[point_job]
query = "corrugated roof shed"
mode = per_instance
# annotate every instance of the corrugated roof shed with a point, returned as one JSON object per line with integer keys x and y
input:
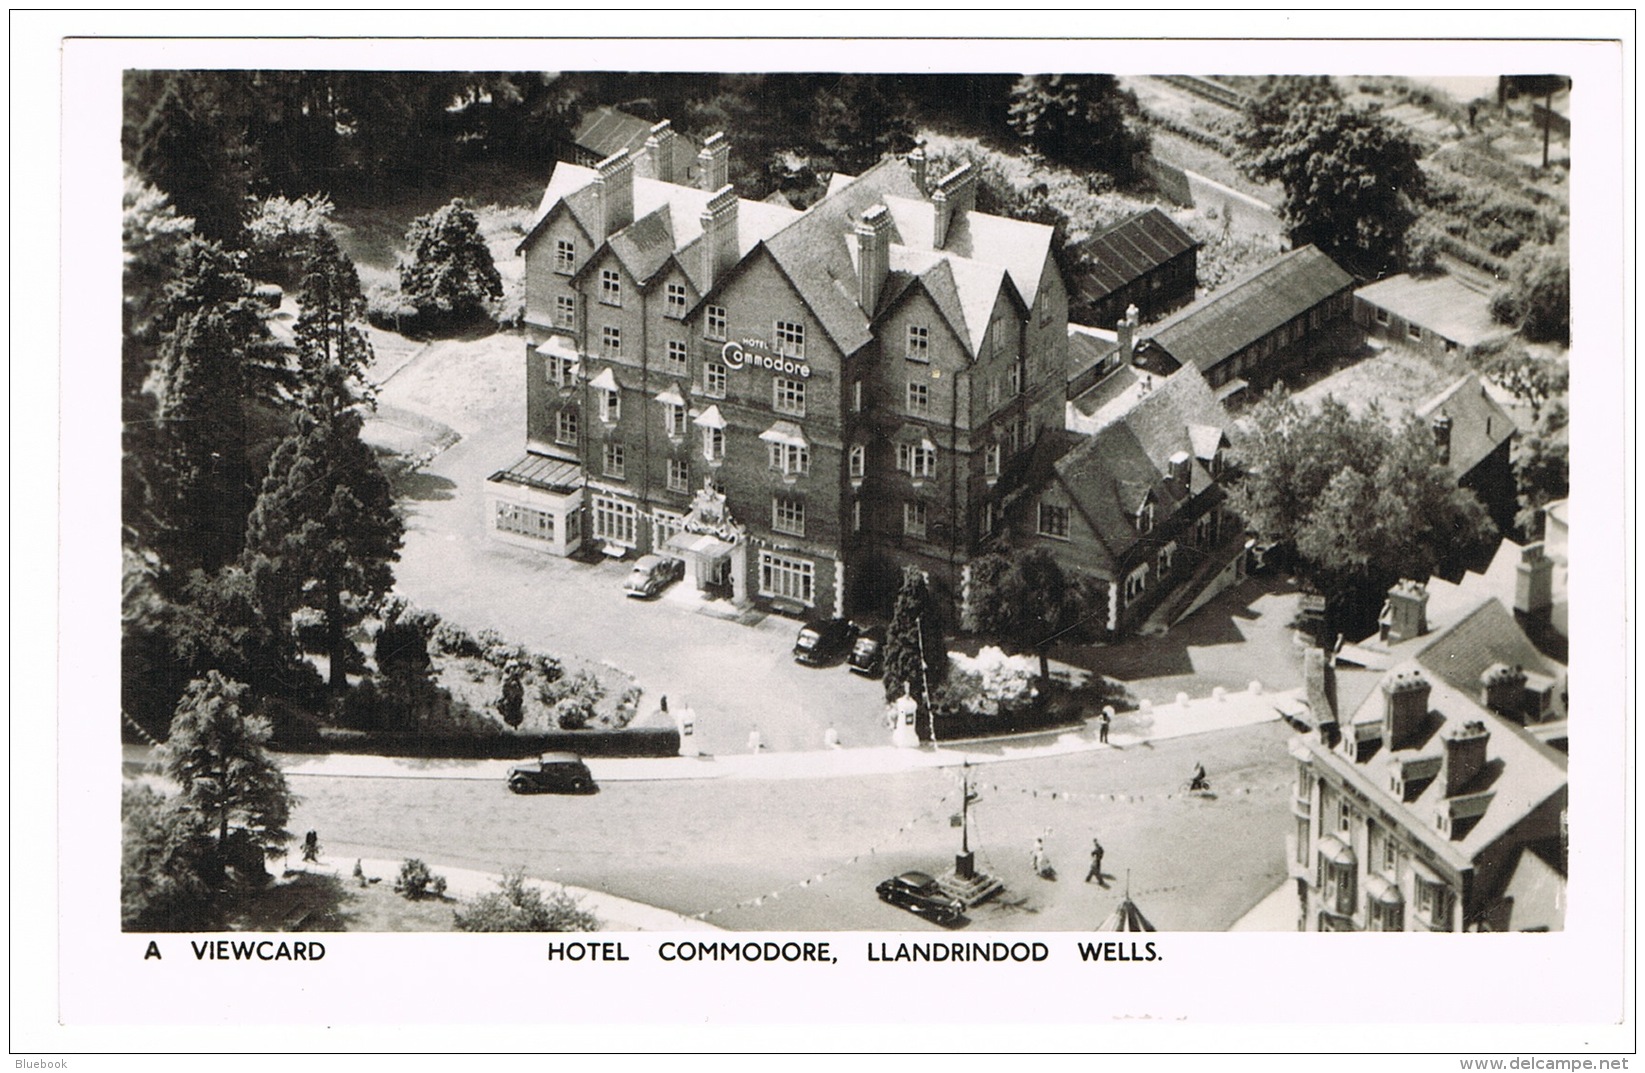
{"x": 1222, "y": 324}
{"x": 1126, "y": 252}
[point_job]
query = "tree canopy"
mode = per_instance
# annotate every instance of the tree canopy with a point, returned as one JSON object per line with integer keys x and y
{"x": 1537, "y": 299}
{"x": 1083, "y": 120}
{"x": 915, "y": 654}
{"x": 1028, "y": 601}
{"x": 1350, "y": 180}
{"x": 447, "y": 273}
{"x": 216, "y": 755}
{"x": 1364, "y": 501}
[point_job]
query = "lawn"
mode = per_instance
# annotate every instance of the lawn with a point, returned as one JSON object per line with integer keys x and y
{"x": 317, "y": 901}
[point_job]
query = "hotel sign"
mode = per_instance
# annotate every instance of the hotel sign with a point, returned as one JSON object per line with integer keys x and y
{"x": 757, "y": 353}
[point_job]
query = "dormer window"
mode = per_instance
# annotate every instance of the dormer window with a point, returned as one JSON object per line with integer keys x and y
{"x": 1145, "y": 517}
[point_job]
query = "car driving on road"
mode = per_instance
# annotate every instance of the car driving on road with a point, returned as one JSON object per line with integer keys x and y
{"x": 919, "y": 894}
{"x": 553, "y": 773}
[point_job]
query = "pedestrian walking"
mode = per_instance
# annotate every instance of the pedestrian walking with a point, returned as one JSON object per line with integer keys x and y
{"x": 1107, "y": 718}
{"x": 1040, "y": 862}
{"x": 311, "y": 846}
{"x": 1096, "y": 864}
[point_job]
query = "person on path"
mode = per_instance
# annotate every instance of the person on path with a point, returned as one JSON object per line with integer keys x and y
{"x": 1096, "y": 864}
{"x": 1040, "y": 862}
{"x": 1107, "y": 718}
{"x": 311, "y": 847}
{"x": 1198, "y": 781}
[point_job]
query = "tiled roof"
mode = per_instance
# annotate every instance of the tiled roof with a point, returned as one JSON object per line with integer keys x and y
{"x": 606, "y": 130}
{"x": 1222, "y": 324}
{"x": 1442, "y": 305}
{"x": 1478, "y": 425}
{"x": 1127, "y": 455}
{"x": 1487, "y": 635}
{"x": 645, "y": 245}
{"x": 1126, "y": 252}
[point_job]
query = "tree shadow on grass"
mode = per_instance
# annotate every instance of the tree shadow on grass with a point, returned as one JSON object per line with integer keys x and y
{"x": 422, "y": 486}
{"x": 301, "y": 901}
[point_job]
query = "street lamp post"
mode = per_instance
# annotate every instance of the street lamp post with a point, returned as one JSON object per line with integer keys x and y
{"x": 965, "y": 862}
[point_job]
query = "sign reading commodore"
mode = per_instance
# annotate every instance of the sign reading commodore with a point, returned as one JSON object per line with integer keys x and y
{"x": 756, "y": 353}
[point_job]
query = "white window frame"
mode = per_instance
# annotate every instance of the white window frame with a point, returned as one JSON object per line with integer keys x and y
{"x": 679, "y": 475}
{"x": 678, "y": 357}
{"x": 611, "y": 287}
{"x": 1058, "y": 532}
{"x": 714, "y": 323}
{"x": 714, "y": 379}
{"x": 561, "y": 372}
{"x": 919, "y": 398}
{"x": 918, "y": 460}
{"x": 788, "y": 396}
{"x": 616, "y": 521}
{"x": 857, "y": 461}
{"x": 914, "y": 518}
{"x": 611, "y": 341}
{"x": 1136, "y": 583}
{"x": 919, "y": 343}
{"x": 856, "y": 396}
{"x": 787, "y": 578}
{"x": 713, "y": 444}
{"x": 790, "y": 458}
{"x": 674, "y": 418}
{"x": 611, "y": 406}
{"x": 790, "y": 338}
{"x": 788, "y": 515}
{"x": 675, "y": 300}
{"x": 614, "y": 461}
{"x": 568, "y": 426}
{"x": 523, "y": 521}
{"x": 565, "y": 257}
{"x": 565, "y": 311}
{"x": 991, "y": 460}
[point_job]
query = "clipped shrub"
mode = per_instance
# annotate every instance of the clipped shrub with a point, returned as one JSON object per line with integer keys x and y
{"x": 518, "y": 906}
{"x": 451, "y": 639}
{"x": 548, "y": 668}
{"x": 416, "y": 881}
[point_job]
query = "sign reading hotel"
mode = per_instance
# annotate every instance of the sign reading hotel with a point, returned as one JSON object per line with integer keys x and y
{"x": 757, "y": 353}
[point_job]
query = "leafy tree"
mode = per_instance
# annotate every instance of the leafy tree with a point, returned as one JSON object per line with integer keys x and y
{"x": 447, "y": 274}
{"x": 1542, "y": 463}
{"x": 915, "y": 653}
{"x": 1028, "y": 601}
{"x": 325, "y": 521}
{"x": 1364, "y": 502}
{"x": 186, "y": 146}
{"x": 1537, "y": 300}
{"x": 404, "y": 668}
{"x": 1532, "y": 380}
{"x": 281, "y": 231}
{"x": 858, "y": 119}
{"x": 216, "y": 754}
{"x": 1350, "y": 179}
{"x": 169, "y": 868}
{"x": 1272, "y": 103}
{"x": 1082, "y": 120}
{"x": 518, "y": 906}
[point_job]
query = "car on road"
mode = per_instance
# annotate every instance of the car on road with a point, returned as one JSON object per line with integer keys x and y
{"x": 919, "y": 894}
{"x": 868, "y": 652}
{"x": 823, "y": 642}
{"x": 652, "y": 574}
{"x": 553, "y": 773}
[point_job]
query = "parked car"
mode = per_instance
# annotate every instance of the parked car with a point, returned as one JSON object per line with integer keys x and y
{"x": 823, "y": 641}
{"x": 652, "y": 574}
{"x": 553, "y": 773}
{"x": 868, "y": 652}
{"x": 919, "y": 894}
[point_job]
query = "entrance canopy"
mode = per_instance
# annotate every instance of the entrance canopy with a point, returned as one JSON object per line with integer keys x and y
{"x": 704, "y": 547}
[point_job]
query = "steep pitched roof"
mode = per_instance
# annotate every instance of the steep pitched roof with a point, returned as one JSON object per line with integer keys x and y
{"x": 1478, "y": 425}
{"x": 1221, "y": 324}
{"x": 1126, "y": 252}
{"x": 606, "y": 130}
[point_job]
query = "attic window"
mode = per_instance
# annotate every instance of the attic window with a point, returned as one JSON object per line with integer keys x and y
{"x": 919, "y": 343}
{"x": 611, "y": 287}
{"x": 565, "y": 257}
{"x": 1053, "y": 521}
{"x": 676, "y": 299}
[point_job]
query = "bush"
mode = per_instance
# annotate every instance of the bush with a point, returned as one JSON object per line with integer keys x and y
{"x": 387, "y": 308}
{"x": 627, "y": 706}
{"x": 574, "y": 712}
{"x": 1537, "y": 300}
{"x": 452, "y": 640}
{"x": 416, "y": 881}
{"x": 989, "y": 683}
{"x": 515, "y": 906}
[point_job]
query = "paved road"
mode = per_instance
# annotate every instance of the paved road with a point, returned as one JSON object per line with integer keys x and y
{"x": 713, "y": 847}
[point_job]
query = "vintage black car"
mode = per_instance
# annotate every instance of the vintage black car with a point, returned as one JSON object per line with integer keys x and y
{"x": 919, "y": 894}
{"x": 652, "y": 574}
{"x": 823, "y": 642}
{"x": 553, "y": 773}
{"x": 868, "y": 652}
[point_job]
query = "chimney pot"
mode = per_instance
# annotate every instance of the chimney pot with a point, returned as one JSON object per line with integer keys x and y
{"x": 1405, "y": 707}
{"x": 1405, "y": 614}
{"x": 1464, "y": 756}
{"x": 659, "y": 151}
{"x": 1502, "y": 690}
{"x": 917, "y": 164}
{"x": 873, "y": 256}
{"x": 719, "y": 240}
{"x": 714, "y": 162}
{"x": 1534, "y": 582}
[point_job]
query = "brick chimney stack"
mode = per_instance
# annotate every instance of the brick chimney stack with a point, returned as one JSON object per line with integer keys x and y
{"x": 1405, "y": 707}
{"x": 1464, "y": 756}
{"x": 1534, "y": 585}
{"x": 719, "y": 241}
{"x": 916, "y": 164}
{"x": 955, "y": 195}
{"x": 1126, "y": 331}
{"x": 873, "y": 256}
{"x": 659, "y": 151}
{"x": 614, "y": 187}
{"x": 714, "y": 162}
{"x": 1502, "y": 690}
{"x": 1405, "y": 615}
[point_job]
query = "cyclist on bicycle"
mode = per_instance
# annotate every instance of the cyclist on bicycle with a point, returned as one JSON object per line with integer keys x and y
{"x": 1198, "y": 782}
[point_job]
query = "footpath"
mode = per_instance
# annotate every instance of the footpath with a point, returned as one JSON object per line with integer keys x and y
{"x": 1184, "y": 717}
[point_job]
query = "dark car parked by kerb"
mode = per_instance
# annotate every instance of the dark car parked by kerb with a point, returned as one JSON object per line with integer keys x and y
{"x": 919, "y": 894}
{"x": 553, "y": 773}
{"x": 868, "y": 652}
{"x": 823, "y": 642}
